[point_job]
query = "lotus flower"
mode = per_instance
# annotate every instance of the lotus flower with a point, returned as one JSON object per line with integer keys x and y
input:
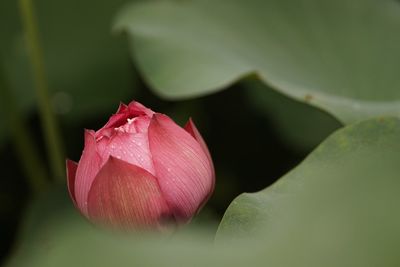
{"x": 141, "y": 170}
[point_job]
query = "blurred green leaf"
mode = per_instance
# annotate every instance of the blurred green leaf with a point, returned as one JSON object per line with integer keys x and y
{"x": 88, "y": 68}
{"x": 54, "y": 234}
{"x": 341, "y": 55}
{"x": 337, "y": 208}
{"x": 302, "y": 127}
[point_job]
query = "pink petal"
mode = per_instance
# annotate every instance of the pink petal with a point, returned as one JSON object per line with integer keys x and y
{"x": 130, "y": 147}
{"x": 137, "y": 109}
{"x": 122, "y": 108}
{"x": 88, "y": 166}
{"x": 71, "y": 173}
{"x": 141, "y": 124}
{"x": 192, "y": 130}
{"x": 127, "y": 196}
{"x": 183, "y": 169}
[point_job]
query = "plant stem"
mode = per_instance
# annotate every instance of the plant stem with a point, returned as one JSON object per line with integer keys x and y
{"x": 25, "y": 148}
{"x": 49, "y": 125}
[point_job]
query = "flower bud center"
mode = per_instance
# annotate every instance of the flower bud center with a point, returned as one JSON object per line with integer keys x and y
{"x": 128, "y": 127}
{"x": 137, "y": 124}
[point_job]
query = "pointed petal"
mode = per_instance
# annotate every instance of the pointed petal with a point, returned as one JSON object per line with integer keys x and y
{"x": 71, "y": 173}
{"x": 192, "y": 130}
{"x": 183, "y": 169}
{"x": 137, "y": 109}
{"x": 122, "y": 108}
{"x": 88, "y": 166}
{"x": 127, "y": 196}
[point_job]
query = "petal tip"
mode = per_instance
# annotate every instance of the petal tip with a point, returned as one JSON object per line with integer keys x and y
{"x": 89, "y": 132}
{"x": 160, "y": 119}
{"x": 189, "y": 127}
{"x": 122, "y": 107}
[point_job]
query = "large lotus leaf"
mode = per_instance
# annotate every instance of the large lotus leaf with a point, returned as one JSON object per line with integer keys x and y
{"x": 340, "y": 55}
{"x": 300, "y": 126}
{"x": 87, "y": 67}
{"x": 340, "y": 207}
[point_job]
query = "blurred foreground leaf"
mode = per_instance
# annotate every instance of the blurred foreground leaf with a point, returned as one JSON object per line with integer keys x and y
{"x": 337, "y": 208}
{"x": 341, "y": 55}
{"x": 54, "y": 234}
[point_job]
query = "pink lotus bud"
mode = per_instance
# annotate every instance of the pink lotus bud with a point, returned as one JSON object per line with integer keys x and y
{"x": 141, "y": 170}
